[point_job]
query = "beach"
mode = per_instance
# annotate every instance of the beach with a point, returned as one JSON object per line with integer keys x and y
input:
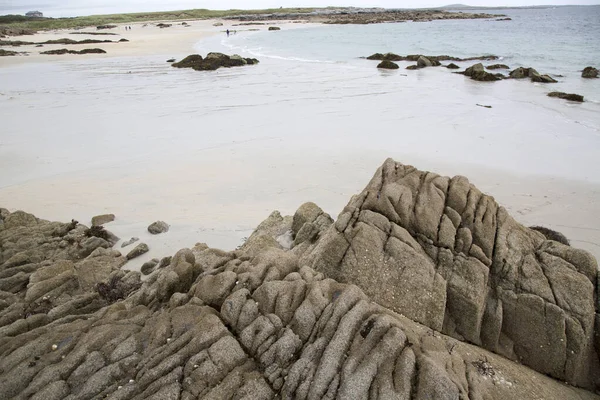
{"x": 214, "y": 153}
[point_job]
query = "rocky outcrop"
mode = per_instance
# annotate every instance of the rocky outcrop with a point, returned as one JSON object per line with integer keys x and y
{"x": 67, "y": 51}
{"x": 433, "y": 59}
{"x": 497, "y": 66}
{"x": 442, "y": 253}
{"x": 478, "y": 73}
{"x": 567, "y": 96}
{"x": 13, "y": 31}
{"x": 385, "y": 64}
{"x": 4, "y": 53}
{"x": 254, "y": 323}
{"x": 522, "y": 73}
{"x": 589, "y": 72}
{"x": 213, "y": 61}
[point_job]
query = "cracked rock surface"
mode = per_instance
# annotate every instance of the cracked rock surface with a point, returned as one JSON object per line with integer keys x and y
{"x": 360, "y": 308}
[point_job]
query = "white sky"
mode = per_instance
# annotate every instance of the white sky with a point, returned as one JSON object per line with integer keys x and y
{"x": 57, "y": 8}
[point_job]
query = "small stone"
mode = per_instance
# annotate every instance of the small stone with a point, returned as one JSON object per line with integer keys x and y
{"x": 138, "y": 251}
{"x": 54, "y": 347}
{"x": 158, "y": 227}
{"x": 129, "y": 242}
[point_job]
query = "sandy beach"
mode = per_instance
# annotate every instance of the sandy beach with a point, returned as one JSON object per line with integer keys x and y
{"x": 142, "y": 164}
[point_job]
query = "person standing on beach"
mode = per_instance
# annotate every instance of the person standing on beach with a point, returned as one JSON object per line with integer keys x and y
{"x": 227, "y": 32}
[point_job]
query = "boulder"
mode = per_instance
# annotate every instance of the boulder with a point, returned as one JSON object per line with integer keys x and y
{"x": 442, "y": 253}
{"x": 423, "y": 62}
{"x": 102, "y": 219}
{"x": 123, "y": 40}
{"x": 452, "y": 66}
{"x": 158, "y": 227}
{"x": 274, "y": 28}
{"x": 385, "y": 64}
{"x": 171, "y": 60}
{"x": 137, "y": 251}
{"x": 99, "y": 27}
{"x": 163, "y": 25}
{"x": 567, "y": 96}
{"x": 522, "y": 73}
{"x": 589, "y": 72}
{"x": 477, "y": 72}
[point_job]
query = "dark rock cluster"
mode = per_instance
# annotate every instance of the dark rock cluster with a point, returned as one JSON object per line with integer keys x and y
{"x": 213, "y": 61}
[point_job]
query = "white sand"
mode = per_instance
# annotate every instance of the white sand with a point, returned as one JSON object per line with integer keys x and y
{"x": 214, "y": 154}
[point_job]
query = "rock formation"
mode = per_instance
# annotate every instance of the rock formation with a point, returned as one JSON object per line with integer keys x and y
{"x": 274, "y": 28}
{"x": 415, "y": 57}
{"x": 213, "y": 61}
{"x": 386, "y": 64}
{"x": 478, "y": 73}
{"x": 567, "y": 96}
{"x": 497, "y": 66}
{"x": 522, "y": 73}
{"x": 589, "y": 72}
{"x": 270, "y": 320}
{"x": 67, "y": 51}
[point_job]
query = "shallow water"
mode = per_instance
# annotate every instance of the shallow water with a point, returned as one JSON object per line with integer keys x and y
{"x": 213, "y": 153}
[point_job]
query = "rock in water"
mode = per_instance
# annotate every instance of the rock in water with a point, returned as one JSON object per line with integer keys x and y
{"x": 567, "y": 96}
{"x": 274, "y": 28}
{"x": 102, "y": 219}
{"x": 423, "y": 62}
{"x": 213, "y": 61}
{"x": 137, "y": 251}
{"x": 477, "y": 72}
{"x": 158, "y": 227}
{"x": 521, "y": 73}
{"x": 385, "y": 64}
{"x": 452, "y": 66}
{"x": 497, "y": 66}
{"x": 129, "y": 242}
{"x": 589, "y": 72}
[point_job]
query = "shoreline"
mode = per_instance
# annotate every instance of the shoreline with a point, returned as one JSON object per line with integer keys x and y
{"x": 570, "y": 207}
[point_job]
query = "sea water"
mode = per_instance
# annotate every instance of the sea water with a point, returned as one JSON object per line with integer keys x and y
{"x": 213, "y": 153}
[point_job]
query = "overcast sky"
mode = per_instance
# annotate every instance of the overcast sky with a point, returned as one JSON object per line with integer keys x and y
{"x": 65, "y": 8}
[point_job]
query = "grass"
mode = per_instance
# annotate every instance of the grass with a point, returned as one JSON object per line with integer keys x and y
{"x": 19, "y": 21}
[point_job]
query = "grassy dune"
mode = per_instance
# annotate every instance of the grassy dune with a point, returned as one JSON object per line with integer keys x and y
{"x": 18, "y": 21}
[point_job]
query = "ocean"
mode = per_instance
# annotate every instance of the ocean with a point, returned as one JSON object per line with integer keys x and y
{"x": 213, "y": 153}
